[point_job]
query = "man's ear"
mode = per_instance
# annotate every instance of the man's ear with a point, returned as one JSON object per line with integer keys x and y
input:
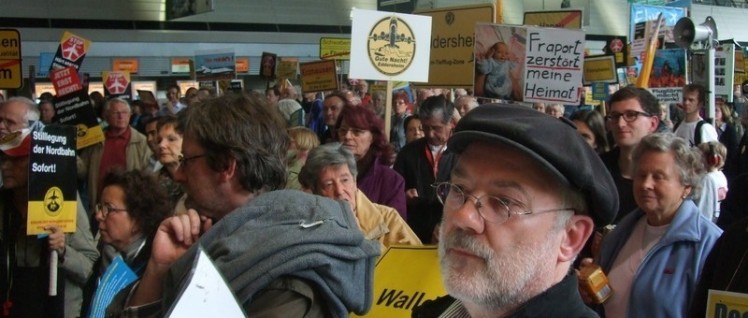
{"x": 655, "y": 123}
{"x": 230, "y": 169}
{"x": 577, "y": 231}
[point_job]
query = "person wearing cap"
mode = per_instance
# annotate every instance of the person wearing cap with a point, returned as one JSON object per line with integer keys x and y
{"x": 655, "y": 255}
{"x": 524, "y": 196}
{"x": 24, "y": 271}
{"x": 633, "y": 114}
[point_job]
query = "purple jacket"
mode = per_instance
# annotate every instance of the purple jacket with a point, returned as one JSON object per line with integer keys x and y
{"x": 384, "y": 186}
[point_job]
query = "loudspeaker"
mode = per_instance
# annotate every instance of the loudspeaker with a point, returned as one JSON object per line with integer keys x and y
{"x": 687, "y": 33}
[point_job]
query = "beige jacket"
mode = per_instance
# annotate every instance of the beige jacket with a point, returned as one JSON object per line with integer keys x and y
{"x": 89, "y": 161}
{"x": 383, "y": 223}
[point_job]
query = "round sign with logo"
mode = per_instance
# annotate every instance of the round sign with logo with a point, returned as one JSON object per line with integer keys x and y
{"x": 53, "y": 201}
{"x": 391, "y": 46}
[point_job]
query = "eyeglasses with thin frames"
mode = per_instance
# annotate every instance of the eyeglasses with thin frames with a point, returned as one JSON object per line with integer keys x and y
{"x": 342, "y": 132}
{"x": 107, "y": 208}
{"x": 628, "y": 116}
{"x": 491, "y": 208}
{"x": 183, "y": 160}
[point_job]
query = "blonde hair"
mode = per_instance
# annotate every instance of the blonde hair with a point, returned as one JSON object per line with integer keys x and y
{"x": 710, "y": 150}
{"x": 304, "y": 138}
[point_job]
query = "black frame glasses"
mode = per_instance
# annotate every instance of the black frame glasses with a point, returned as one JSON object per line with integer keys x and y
{"x": 183, "y": 160}
{"x": 628, "y": 116}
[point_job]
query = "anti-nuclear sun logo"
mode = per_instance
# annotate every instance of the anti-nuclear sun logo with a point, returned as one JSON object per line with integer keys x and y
{"x": 391, "y": 46}
{"x": 53, "y": 201}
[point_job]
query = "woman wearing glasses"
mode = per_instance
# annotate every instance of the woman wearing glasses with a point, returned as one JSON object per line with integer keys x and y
{"x": 132, "y": 205}
{"x": 655, "y": 255}
{"x": 362, "y": 132}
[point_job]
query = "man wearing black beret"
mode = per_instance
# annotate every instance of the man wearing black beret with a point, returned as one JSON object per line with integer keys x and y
{"x": 524, "y": 196}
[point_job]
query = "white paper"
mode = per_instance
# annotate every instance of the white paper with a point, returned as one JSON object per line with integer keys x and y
{"x": 206, "y": 294}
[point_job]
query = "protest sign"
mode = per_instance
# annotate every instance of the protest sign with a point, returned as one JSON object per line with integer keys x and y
{"x": 528, "y": 64}
{"x": 601, "y": 68}
{"x": 75, "y": 109}
{"x": 724, "y": 70}
{"x": 11, "y": 75}
{"x": 334, "y": 48}
{"x": 452, "y": 43}
{"x": 668, "y": 75}
{"x": 242, "y": 65}
{"x": 52, "y": 180}
{"x": 66, "y": 81}
{"x": 404, "y": 278}
{"x": 287, "y": 68}
{"x": 71, "y": 51}
{"x": 723, "y": 304}
{"x": 267, "y": 65}
{"x": 215, "y": 65}
{"x": 117, "y": 84}
{"x": 318, "y": 76}
{"x": 567, "y": 19}
{"x": 390, "y": 46}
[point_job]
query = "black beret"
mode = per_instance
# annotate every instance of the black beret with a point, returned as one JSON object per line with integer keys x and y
{"x": 554, "y": 143}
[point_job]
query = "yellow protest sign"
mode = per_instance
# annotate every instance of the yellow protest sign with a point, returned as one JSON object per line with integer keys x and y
{"x": 452, "y": 43}
{"x": 10, "y": 59}
{"x": 318, "y": 76}
{"x": 335, "y": 49}
{"x": 405, "y": 277}
{"x": 726, "y": 304}
{"x": 600, "y": 69}
{"x": 287, "y": 68}
{"x": 567, "y": 19}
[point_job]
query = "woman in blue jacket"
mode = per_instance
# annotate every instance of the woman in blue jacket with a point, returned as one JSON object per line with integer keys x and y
{"x": 655, "y": 255}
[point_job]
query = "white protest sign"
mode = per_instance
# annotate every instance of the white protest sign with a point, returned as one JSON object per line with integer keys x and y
{"x": 528, "y": 64}
{"x": 554, "y": 65}
{"x": 390, "y": 46}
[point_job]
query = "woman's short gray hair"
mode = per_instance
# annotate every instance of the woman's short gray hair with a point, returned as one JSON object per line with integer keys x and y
{"x": 688, "y": 160}
{"x": 327, "y": 155}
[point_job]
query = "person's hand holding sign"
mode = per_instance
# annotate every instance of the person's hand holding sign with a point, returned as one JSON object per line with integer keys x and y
{"x": 56, "y": 239}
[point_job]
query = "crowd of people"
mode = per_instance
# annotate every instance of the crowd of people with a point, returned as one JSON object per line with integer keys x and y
{"x": 296, "y": 196}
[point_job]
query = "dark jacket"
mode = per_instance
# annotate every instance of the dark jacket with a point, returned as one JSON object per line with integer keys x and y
{"x": 561, "y": 300}
{"x": 726, "y": 267}
{"x": 424, "y": 212}
{"x": 735, "y": 206}
{"x": 624, "y": 186}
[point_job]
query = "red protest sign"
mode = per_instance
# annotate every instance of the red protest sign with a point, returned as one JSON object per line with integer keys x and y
{"x": 66, "y": 81}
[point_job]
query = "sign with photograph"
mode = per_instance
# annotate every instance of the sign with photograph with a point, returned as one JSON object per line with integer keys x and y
{"x": 267, "y": 65}
{"x": 668, "y": 75}
{"x": 390, "y": 46}
{"x": 215, "y": 65}
{"x": 528, "y": 64}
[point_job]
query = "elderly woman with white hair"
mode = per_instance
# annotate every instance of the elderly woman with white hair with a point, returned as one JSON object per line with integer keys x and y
{"x": 655, "y": 255}
{"x": 330, "y": 171}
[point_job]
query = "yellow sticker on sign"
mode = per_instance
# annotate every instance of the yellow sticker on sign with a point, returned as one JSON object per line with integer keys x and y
{"x": 335, "y": 49}
{"x": 10, "y": 59}
{"x": 600, "y": 69}
{"x": 405, "y": 277}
